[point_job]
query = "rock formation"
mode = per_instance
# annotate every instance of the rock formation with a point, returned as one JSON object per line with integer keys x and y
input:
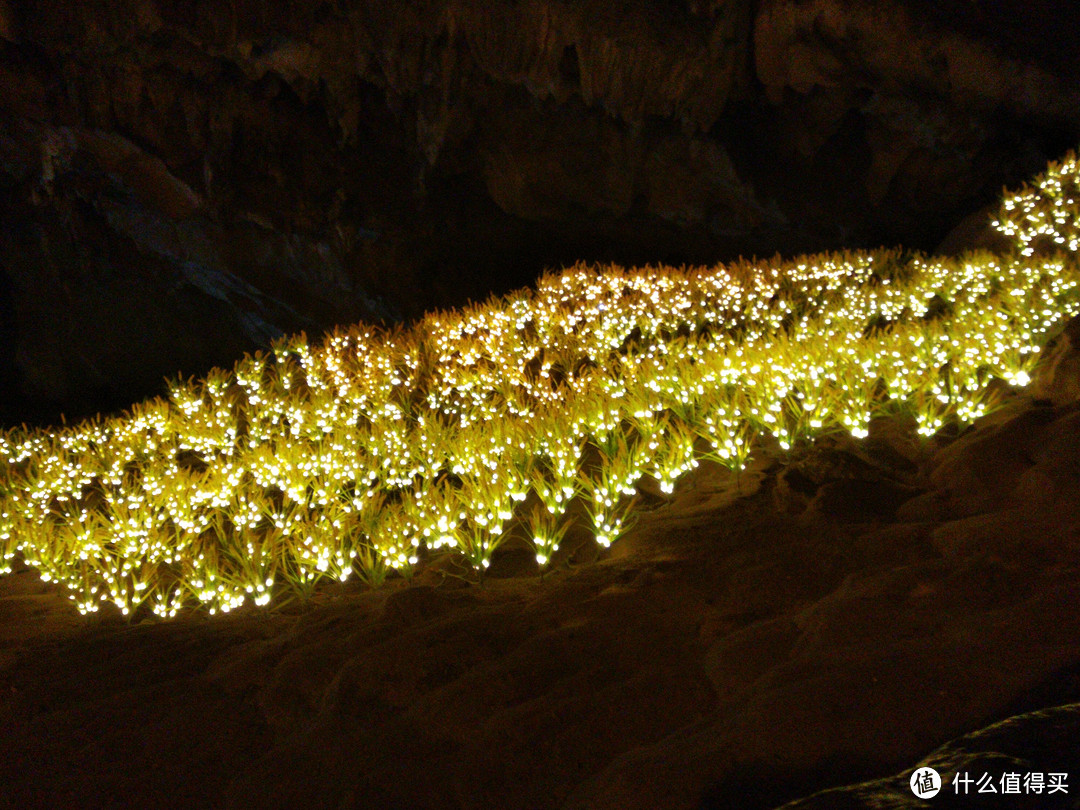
{"x": 183, "y": 181}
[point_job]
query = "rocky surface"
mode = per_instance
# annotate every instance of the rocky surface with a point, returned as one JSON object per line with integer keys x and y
{"x": 183, "y": 181}
{"x": 1041, "y": 742}
{"x": 831, "y": 620}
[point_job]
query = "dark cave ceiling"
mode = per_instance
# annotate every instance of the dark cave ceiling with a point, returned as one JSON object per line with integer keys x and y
{"x": 184, "y": 181}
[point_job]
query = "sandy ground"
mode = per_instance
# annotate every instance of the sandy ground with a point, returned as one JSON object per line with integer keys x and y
{"x": 833, "y": 620}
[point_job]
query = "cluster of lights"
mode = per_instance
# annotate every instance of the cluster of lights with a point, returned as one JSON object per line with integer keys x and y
{"x": 1045, "y": 217}
{"x": 315, "y": 463}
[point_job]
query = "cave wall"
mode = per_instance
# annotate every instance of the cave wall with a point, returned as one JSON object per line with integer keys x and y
{"x": 182, "y": 181}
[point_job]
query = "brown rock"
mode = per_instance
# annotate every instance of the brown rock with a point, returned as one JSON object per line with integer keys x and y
{"x": 414, "y": 605}
{"x": 932, "y": 506}
{"x": 1057, "y": 376}
{"x": 793, "y": 490}
{"x": 979, "y": 472}
{"x": 854, "y": 501}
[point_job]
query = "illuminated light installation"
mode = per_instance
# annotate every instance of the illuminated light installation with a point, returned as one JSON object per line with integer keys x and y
{"x": 316, "y": 463}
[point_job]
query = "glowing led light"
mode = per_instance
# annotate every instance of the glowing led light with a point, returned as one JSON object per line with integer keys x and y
{"x": 501, "y": 414}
